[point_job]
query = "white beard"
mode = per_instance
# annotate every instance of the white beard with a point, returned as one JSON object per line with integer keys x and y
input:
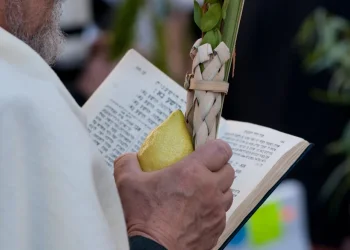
{"x": 47, "y": 40}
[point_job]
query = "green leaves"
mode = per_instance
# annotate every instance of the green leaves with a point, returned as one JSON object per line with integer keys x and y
{"x": 197, "y": 14}
{"x": 122, "y": 38}
{"x": 212, "y": 37}
{"x": 211, "y": 18}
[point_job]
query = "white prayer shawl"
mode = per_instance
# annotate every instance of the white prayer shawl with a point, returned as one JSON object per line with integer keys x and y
{"x": 56, "y": 193}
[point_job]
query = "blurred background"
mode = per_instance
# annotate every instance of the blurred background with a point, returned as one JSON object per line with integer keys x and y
{"x": 292, "y": 74}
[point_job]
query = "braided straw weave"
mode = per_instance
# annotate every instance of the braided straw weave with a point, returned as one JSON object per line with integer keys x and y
{"x": 206, "y": 90}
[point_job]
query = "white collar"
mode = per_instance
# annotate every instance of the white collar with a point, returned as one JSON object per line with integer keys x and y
{"x": 16, "y": 52}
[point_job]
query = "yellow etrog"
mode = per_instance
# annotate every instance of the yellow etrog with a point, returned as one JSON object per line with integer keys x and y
{"x": 166, "y": 144}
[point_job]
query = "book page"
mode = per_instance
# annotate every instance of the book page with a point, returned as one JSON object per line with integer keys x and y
{"x": 256, "y": 150}
{"x": 133, "y": 100}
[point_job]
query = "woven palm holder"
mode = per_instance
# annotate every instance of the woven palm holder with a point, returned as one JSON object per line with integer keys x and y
{"x": 206, "y": 91}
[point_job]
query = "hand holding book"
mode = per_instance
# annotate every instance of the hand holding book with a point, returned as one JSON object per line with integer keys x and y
{"x": 166, "y": 205}
{"x": 137, "y": 97}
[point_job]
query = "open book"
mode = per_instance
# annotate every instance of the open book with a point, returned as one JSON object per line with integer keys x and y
{"x": 136, "y": 97}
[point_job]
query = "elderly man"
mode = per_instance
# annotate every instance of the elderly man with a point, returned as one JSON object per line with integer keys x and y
{"x": 56, "y": 192}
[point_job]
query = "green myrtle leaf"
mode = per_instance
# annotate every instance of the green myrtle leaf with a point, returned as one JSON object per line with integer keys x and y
{"x": 218, "y": 26}
{"x": 213, "y": 37}
{"x": 211, "y": 18}
{"x": 224, "y": 8}
{"x": 218, "y": 36}
{"x": 209, "y": 37}
{"x": 197, "y": 14}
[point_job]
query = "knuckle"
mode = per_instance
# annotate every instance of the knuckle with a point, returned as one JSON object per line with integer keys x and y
{"x": 230, "y": 198}
{"x": 223, "y": 149}
{"x": 218, "y": 204}
{"x": 124, "y": 181}
{"x": 230, "y": 195}
{"x": 122, "y": 160}
{"x": 210, "y": 185}
{"x": 213, "y": 195}
{"x": 231, "y": 171}
{"x": 209, "y": 196}
{"x": 119, "y": 164}
{"x": 213, "y": 185}
{"x": 121, "y": 181}
{"x": 116, "y": 175}
{"x": 191, "y": 172}
{"x": 122, "y": 164}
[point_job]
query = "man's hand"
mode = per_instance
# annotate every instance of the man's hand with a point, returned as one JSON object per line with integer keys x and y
{"x": 183, "y": 206}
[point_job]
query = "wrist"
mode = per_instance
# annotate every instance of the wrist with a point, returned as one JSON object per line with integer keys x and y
{"x": 162, "y": 237}
{"x": 144, "y": 243}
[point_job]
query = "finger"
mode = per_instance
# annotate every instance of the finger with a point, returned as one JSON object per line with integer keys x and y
{"x": 228, "y": 199}
{"x": 225, "y": 177}
{"x": 213, "y": 155}
{"x": 126, "y": 163}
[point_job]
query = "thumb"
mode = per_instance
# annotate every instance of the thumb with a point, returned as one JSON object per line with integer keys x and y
{"x": 214, "y": 155}
{"x": 127, "y": 163}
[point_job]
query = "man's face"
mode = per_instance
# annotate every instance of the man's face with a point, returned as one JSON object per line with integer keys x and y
{"x": 37, "y": 23}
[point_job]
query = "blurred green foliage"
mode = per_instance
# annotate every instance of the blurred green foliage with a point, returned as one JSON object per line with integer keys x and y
{"x": 324, "y": 43}
{"x": 124, "y": 29}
